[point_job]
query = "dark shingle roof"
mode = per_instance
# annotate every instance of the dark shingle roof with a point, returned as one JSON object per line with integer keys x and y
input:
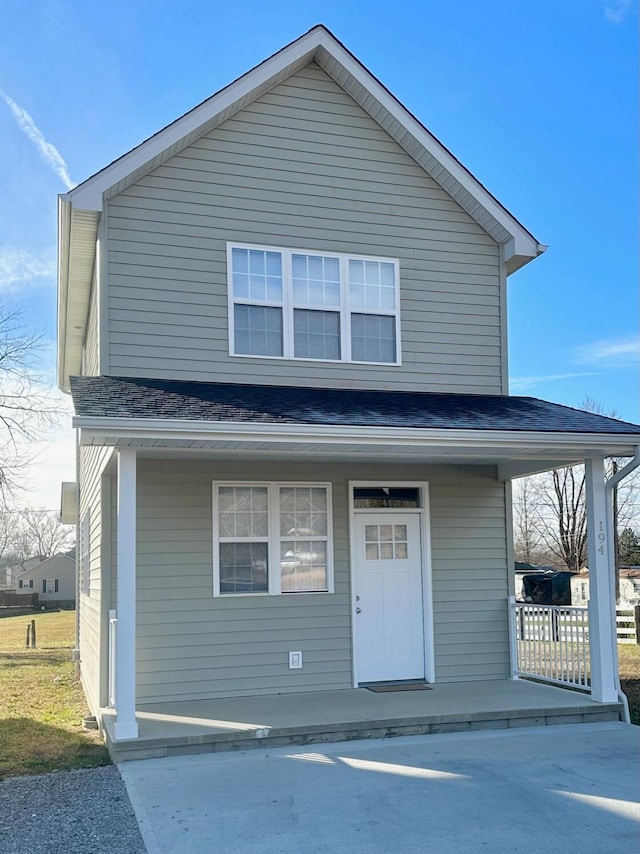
{"x": 116, "y": 397}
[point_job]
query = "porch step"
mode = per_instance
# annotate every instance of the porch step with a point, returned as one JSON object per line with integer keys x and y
{"x": 249, "y": 738}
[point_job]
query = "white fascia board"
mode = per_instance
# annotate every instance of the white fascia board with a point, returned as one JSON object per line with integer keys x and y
{"x": 88, "y": 195}
{"x": 168, "y": 430}
{"x": 64, "y": 246}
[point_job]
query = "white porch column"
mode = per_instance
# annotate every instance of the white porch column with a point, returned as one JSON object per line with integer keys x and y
{"x": 125, "y": 670}
{"x": 601, "y": 605}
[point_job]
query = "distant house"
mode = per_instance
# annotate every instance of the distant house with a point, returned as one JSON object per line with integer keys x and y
{"x": 53, "y": 579}
{"x": 16, "y": 569}
{"x": 629, "y": 587}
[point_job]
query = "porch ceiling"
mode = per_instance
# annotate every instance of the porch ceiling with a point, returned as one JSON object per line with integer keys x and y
{"x": 514, "y": 458}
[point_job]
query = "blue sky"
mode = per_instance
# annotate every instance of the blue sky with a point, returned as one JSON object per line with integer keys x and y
{"x": 538, "y": 100}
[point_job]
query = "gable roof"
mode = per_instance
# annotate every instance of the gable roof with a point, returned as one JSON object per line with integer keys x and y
{"x": 42, "y": 564}
{"x": 79, "y": 209}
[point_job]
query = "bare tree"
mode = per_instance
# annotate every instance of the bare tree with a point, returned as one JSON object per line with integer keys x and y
{"x": 26, "y": 406}
{"x": 526, "y": 532}
{"x": 554, "y": 514}
{"x": 560, "y": 517}
{"x": 7, "y": 533}
{"x": 40, "y": 533}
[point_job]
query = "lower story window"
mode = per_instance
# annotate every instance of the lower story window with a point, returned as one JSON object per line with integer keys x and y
{"x": 272, "y": 538}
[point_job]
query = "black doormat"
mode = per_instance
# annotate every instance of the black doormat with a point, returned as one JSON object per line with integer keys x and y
{"x": 397, "y": 686}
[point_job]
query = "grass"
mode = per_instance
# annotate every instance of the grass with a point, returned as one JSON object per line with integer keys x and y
{"x": 629, "y": 657}
{"x": 41, "y": 701}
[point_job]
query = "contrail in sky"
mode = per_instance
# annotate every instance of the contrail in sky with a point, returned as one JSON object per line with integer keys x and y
{"x": 49, "y": 152}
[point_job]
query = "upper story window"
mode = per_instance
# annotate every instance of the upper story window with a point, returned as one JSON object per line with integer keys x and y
{"x": 290, "y": 304}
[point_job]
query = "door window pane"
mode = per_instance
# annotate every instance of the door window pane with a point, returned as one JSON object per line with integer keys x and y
{"x": 373, "y": 338}
{"x": 385, "y": 542}
{"x": 258, "y": 330}
{"x": 385, "y": 496}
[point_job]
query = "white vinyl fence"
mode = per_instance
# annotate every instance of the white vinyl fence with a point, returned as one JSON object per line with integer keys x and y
{"x": 552, "y": 643}
{"x": 628, "y": 624}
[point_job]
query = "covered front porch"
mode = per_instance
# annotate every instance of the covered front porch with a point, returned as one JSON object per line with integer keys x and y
{"x": 191, "y": 666}
{"x": 244, "y": 723}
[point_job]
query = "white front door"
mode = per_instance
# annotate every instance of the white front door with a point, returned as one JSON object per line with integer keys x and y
{"x": 387, "y": 577}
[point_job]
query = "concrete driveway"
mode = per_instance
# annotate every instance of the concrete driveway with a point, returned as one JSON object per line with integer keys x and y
{"x": 536, "y": 790}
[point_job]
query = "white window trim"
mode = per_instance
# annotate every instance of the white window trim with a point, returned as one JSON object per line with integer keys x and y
{"x": 286, "y": 304}
{"x": 273, "y": 539}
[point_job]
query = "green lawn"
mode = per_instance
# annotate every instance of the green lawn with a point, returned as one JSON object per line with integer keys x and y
{"x": 41, "y": 701}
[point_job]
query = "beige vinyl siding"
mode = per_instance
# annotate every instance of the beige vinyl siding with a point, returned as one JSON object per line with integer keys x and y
{"x": 470, "y": 587}
{"x": 91, "y": 630}
{"x": 191, "y": 645}
{"x": 90, "y": 352}
{"x": 303, "y": 167}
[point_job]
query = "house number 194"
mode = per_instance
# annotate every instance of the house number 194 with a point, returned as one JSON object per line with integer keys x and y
{"x": 602, "y": 538}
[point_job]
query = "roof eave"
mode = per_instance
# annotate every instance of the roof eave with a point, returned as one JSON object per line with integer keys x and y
{"x": 77, "y": 237}
{"x": 132, "y": 428}
{"x": 64, "y": 253}
{"x": 517, "y": 253}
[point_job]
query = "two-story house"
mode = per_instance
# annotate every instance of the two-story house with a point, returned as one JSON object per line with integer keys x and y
{"x": 282, "y": 319}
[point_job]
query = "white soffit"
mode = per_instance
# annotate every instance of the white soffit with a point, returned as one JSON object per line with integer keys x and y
{"x": 76, "y": 263}
{"x": 69, "y": 503}
{"x": 514, "y": 453}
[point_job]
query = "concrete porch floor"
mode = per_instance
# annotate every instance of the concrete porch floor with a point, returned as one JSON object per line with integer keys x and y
{"x": 209, "y": 726}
